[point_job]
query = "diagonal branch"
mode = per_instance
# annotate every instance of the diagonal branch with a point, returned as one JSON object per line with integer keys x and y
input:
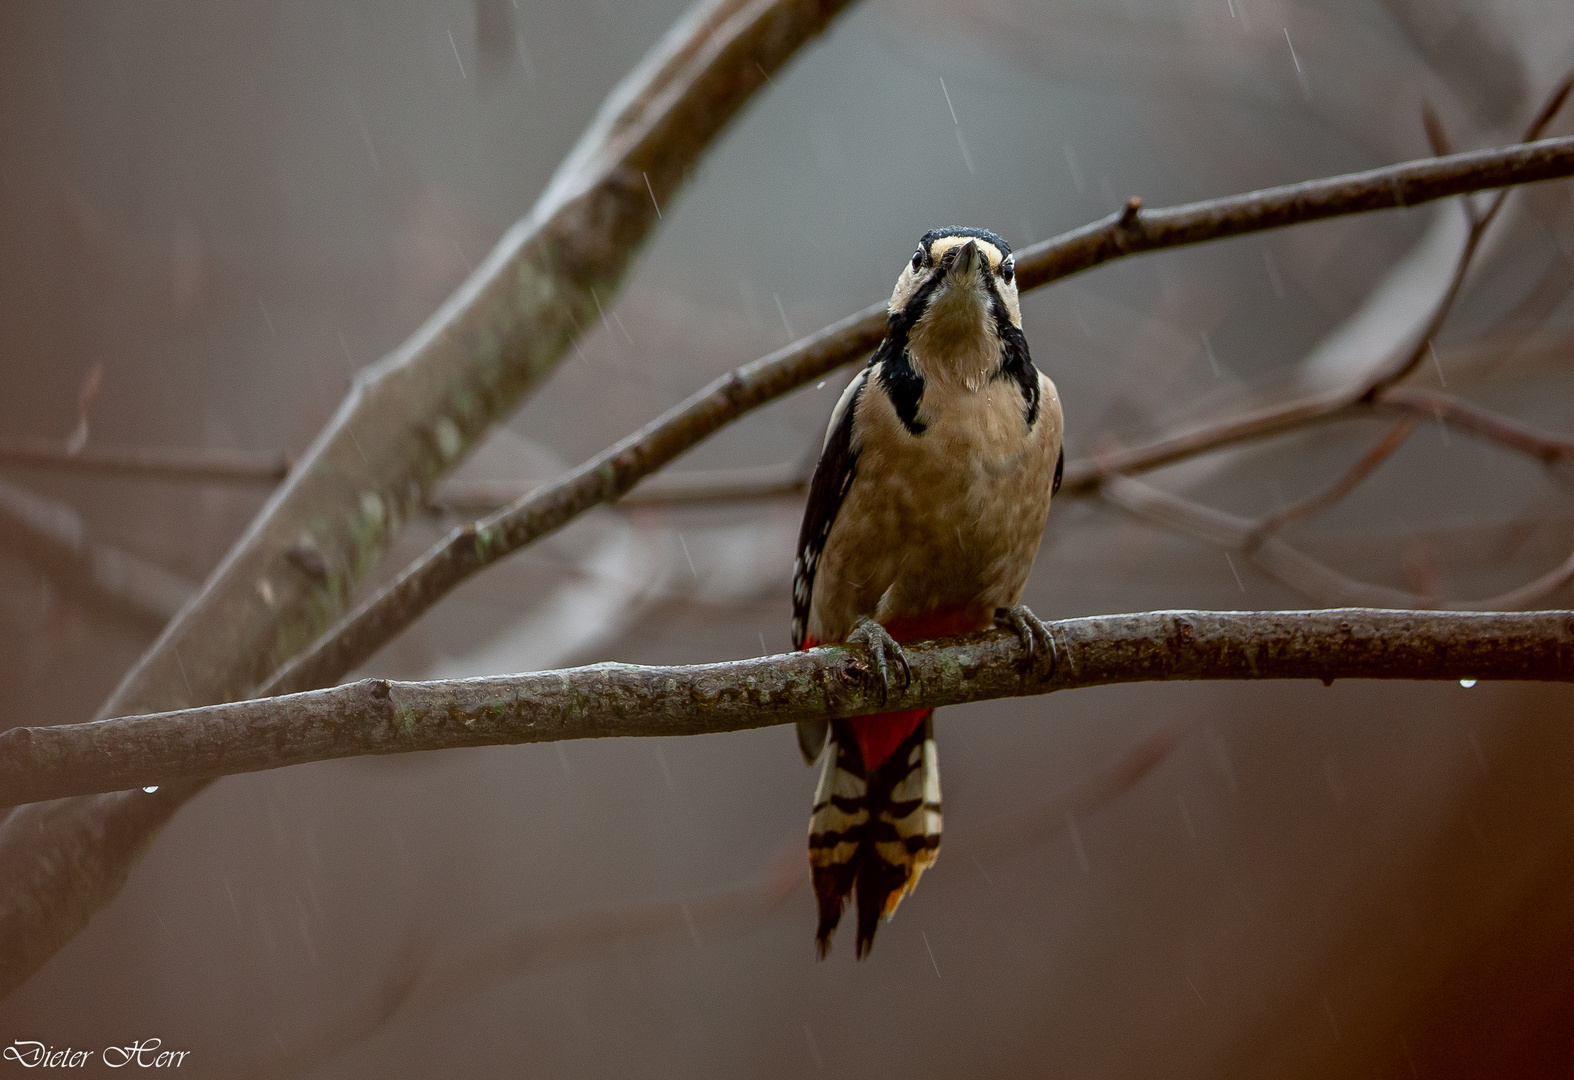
{"x": 376, "y": 716}
{"x": 1368, "y": 463}
{"x": 1478, "y": 225}
{"x": 407, "y": 420}
{"x": 1084, "y": 476}
{"x": 412, "y": 416}
{"x": 55, "y": 536}
{"x": 604, "y": 478}
{"x": 608, "y": 476}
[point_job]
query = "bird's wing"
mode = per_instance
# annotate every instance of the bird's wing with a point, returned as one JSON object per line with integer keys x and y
{"x": 833, "y": 476}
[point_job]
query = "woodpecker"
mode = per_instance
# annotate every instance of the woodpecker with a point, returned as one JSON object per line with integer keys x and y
{"x": 924, "y": 518}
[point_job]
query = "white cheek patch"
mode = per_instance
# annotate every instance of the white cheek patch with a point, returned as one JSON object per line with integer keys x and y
{"x": 1008, "y": 297}
{"x": 906, "y": 286}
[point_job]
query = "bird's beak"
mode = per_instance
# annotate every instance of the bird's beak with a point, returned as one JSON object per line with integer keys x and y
{"x": 964, "y": 258}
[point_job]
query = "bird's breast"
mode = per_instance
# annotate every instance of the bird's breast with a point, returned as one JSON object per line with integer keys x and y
{"x": 949, "y": 518}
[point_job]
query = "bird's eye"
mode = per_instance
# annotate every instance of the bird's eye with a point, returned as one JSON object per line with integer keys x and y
{"x": 918, "y": 259}
{"x": 1008, "y": 270}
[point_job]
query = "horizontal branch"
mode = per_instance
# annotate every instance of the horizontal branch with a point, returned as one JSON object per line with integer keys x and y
{"x": 614, "y": 472}
{"x": 482, "y": 497}
{"x": 376, "y": 716}
{"x": 1292, "y": 566}
{"x": 148, "y": 462}
{"x": 1084, "y": 475}
{"x": 1484, "y": 423}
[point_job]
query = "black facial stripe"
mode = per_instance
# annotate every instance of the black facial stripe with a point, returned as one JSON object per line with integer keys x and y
{"x": 905, "y": 387}
{"x": 903, "y": 321}
{"x": 1015, "y": 363}
{"x": 902, "y": 383}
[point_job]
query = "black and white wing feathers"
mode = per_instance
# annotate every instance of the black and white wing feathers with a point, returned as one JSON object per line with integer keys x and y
{"x": 833, "y": 476}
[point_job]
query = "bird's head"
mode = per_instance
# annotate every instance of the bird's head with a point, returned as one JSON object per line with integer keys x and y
{"x": 953, "y": 297}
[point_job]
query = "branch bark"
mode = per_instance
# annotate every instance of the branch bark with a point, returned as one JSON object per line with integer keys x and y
{"x": 55, "y": 537}
{"x": 407, "y": 420}
{"x": 375, "y": 716}
{"x": 482, "y": 497}
{"x": 145, "y": 462}
{"x": 611, "y": 474}
{"x": 1289, "y": 564}
{"x": 413, "y": 415}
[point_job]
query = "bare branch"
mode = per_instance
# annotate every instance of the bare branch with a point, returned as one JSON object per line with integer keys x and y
{"x": 1411, "y": 184}
{"x": 412, "y": 416}
{"x": 1293, "y": 567}
{"x": 1274, "y": 555}
{"x": 609, "y": 475}
{"x": 481, "y": 497}
{"x": 55, "y": 536}
{"x": 1478, "y": 223}
{"x": 1379, "y": 452}
{"x": 407, "y": 420}
{"x": 1085, "y": 475}
{"x": 376, "y": 716}
{"x": 1462, "y": 414}
{"x": 151, "y": 463}
{"x": 1532, "y": 591}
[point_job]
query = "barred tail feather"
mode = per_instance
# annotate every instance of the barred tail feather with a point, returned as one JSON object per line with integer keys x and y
{"x": 877, "y": 830}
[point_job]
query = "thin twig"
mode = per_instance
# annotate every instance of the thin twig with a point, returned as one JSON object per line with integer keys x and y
{"x": 481, "y": 497}
{"x": 605, "y": 478}
{"x": 1311, "y": 578}
{"x": 1471, "y": 418}
{"x": 1478, "y": 224}
{"x": 60, "y": 862}
{"x": 376, "y": 716}
{"x": 407, "y": 420}
{"x": 55, "y": 536}
{"x": 1379, "y": 452}
{"x": 152, "y": 463}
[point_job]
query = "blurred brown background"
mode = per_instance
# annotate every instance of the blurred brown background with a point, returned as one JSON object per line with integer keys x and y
{"x": 231, "y": 208}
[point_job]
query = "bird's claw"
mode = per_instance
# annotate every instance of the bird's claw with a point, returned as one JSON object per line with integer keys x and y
{"x": 882, "y": 649}
{"x": 1032, "y": 632}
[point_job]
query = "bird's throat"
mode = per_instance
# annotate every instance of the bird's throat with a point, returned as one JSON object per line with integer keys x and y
{"x": 955, "y": 341}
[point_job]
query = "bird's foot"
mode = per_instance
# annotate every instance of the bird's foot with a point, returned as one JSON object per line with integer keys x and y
{"x": 883, "y": 650}
{"x": 1030, "y": 630}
